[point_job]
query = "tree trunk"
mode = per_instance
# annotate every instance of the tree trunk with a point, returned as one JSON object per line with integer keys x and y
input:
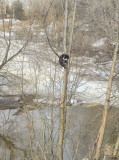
{"x": 116, "y": 147}
{"x": 64, "y": 90}
{"x": 102, "y": 127}
{"x": 104, "y": 118}
{"x": 62, "y": 123}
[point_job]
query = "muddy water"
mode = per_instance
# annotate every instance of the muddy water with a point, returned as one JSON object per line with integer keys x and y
{"x": 32, "y": 129}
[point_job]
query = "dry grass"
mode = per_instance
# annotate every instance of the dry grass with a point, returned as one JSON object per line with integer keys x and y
{"x": 5, "y": 26}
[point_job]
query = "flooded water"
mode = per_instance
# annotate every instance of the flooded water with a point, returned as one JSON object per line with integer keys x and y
{"x": 27, "y": 134}
{"x": 34, "y": 126}
{"x": 31, "y": 134}
{"x": 24, "y": 128}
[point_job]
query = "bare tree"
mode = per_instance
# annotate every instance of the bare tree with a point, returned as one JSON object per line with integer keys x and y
{"x": 107, "y": 100}
{"x": 7, "y": 57}
{"x": 62, "y": 123}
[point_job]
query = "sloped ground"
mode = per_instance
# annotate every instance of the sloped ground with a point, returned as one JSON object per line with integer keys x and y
{"x": 94, "y": 70}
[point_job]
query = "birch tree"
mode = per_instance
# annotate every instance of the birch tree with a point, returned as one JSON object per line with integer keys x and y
{"x": 107, "y": 100}
{"x": 62, "y": 123}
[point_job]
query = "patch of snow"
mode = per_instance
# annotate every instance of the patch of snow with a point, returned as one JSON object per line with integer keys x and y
{"x": 10, "y": 20}
{"x": 74, "y": 101}
{"x": 50, "y": 27}
{"x": 85, "y": 27}
{"x": 93, "y": 91}
{"x": 101, "y": 72}
{"x": 99, "y": 43}
{"x": 41, "y": 33}
{"x": 7, "y": 34}
{"x": 40, "y": 100}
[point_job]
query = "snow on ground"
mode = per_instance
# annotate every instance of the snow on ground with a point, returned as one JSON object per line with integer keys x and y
{"x": 45, "y": 58}
{"x": 85, "y": 27}
{"x": 46, "y": 72}
{"x": 93, "y": 91}
{"x": 99, "y": 43}
{"x": 14, "y": 21}
{"x": 7, "y": 35}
